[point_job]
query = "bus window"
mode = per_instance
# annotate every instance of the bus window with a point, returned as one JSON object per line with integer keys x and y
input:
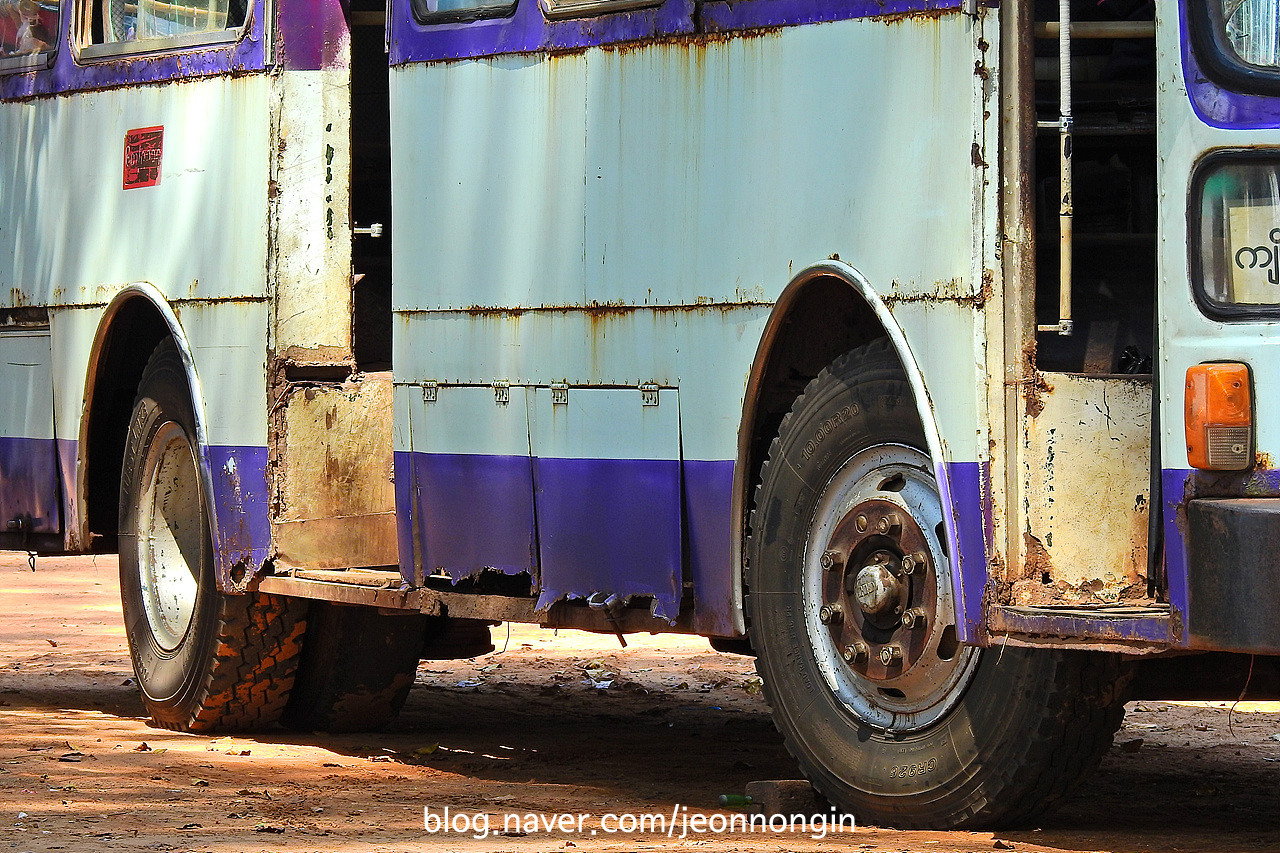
{"x": 1238, "y": 43}
{"x": 136, "y": 20}
{"x": 1238, "y": 228}
{"x": 1252, "y": 30}
{"x": 27, "y": 28}
{"x": 455, "y": 10}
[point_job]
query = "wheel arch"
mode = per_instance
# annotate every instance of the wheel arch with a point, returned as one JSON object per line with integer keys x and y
{"x": 134, "y": 323}
{"x": 825, "y": 310}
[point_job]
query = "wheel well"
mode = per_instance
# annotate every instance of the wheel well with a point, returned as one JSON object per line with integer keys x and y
{"x": 826, "y": 318}
{"x": 136, "y": 328}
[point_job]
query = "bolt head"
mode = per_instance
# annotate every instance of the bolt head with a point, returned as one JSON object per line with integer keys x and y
{"x": 854, "y": 652}
{"x": 831, "y": 560}
{"x": 914, "y": 618}
{"x": 830, "y": 613}
{"x": 889, "y": 655}
{"x": 861, "y": 523}
{"x": 889, "y": 525}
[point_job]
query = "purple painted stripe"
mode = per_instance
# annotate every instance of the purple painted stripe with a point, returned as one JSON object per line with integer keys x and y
{"x": 1150, "y": 629}
{"x": 528, "y": 30}
{"x": 603, "y": 525}
{"x": 312, "y": 33}
{"x": 408, "y": 525}
{"x": 961, "y": 486}
{"x": 1219, "y": 107}
{"x": 241, "y": 507}
{"x": 1173, "y": 484}
{"x": 66, "y": 75}
{"x": 68, "y": 457}
{"x": 609, "y": 525}
{"x": 466, "y": 513}
{"x": 29, "y": 479}
{"x": 720, "y": 15}
{"x": 708, "y": 498}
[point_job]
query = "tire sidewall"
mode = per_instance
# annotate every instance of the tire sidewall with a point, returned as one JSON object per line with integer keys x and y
{"x": 171, "y": 680}
{"x": 876, "y": 774}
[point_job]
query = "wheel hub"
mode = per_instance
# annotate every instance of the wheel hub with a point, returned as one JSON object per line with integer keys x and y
{"x": 884, "y": 571}
{"x": 877, "y": 590}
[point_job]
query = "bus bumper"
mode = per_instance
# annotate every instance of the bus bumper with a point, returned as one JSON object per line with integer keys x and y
{"x": 1234, "y": 584}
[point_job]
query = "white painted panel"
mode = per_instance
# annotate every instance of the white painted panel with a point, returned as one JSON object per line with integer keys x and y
{"x": 26, "y": 385}
{"x": 200, "y": 233}
{"x": 605, "y": 423}
{"x": 467, "y": 420}
{"x": 706, "y": 353}
{"x": 1089, "y": 487}
{"x": 1187, "y": 336}
{"x": 709, "y": 170}
{"x": 488, "y": 182}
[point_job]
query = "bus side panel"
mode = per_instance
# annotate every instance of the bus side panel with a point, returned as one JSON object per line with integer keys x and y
{"x": 29, "y": 465}
{"x": 619, "y": 217}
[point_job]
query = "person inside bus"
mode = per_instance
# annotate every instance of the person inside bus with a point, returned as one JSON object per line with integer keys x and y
{"x": 30, "y": 35}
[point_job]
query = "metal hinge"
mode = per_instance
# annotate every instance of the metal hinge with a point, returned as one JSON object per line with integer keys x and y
{"x": 501, "y": 392}
{"x": 560, "y": 393}
{"x": 649, "y": 394}
{"x": 430, "y": 390}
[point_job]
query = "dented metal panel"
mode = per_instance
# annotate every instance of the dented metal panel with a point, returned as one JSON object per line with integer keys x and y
{"x": 29, "y": 501}
{"x": 334, "y": 497}
{"x": 606, "y": 470}
{"x": 1088, "y": 491}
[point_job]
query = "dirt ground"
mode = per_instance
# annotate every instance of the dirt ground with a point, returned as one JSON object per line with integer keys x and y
{"x": 549, "y": 725}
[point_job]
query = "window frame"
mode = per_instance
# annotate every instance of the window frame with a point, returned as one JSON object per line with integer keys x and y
{"x": 423, "y": 15}
{"x": 1205, "y": 168}
{"x": 1219, "y": 61}
{"x": 88, "y": 51}
{"x": 558, "y": 10}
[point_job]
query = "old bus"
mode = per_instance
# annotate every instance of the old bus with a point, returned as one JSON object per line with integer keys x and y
{"x": 924, "y": 349}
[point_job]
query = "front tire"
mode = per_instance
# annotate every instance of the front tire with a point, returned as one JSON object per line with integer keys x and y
{"x": 205, "y": 661}
{"x": 851, "y": 612}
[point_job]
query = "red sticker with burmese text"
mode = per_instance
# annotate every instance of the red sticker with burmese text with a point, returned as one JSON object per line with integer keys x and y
{"x": 143, "y": 148}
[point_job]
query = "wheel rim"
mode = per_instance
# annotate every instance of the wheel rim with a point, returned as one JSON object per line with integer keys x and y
{"x": 877, "y": 593}
{"x": 171, "y": 540}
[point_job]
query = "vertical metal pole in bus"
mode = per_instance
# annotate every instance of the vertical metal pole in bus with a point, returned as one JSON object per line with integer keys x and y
{"x": 1065, "y": 207}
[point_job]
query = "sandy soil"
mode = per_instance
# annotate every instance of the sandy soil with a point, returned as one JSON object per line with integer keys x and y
{"x": 528, "y": 730}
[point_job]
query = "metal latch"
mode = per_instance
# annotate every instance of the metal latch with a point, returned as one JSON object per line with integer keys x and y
{"x": 649, "y": 394}
{"x": 501, "y": 392}
{"x": 374, "y": 230}
{"x": 430, "y": 391}
{"x": 560, "y": 393}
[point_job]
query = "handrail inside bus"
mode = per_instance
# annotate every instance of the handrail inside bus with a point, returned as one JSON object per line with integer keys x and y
{"x": 1099, "y": 29}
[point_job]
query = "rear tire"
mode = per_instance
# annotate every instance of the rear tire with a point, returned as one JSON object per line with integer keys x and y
{"x": 357, "y": 668}
{"x": 886, "y": 714}
{"x": 204, "y": 660}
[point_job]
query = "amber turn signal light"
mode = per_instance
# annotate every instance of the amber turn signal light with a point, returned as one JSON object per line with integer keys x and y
{"x": 1219, "y": 417}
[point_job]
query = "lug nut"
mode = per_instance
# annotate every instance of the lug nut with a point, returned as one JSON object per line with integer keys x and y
{"x": 831, "y": 560}
{"x": 911, "y": 562}
{"x": 854, "y": 652}
{"x": 889, "y": 525}
{"x": 914, "y": 618}
{"x": 830, "y": 613}
{"x": 861, "y": 523}
{"x": 889, "y": 655}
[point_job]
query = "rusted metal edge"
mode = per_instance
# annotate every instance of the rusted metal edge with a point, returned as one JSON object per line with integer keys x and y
{"x": 593, "y": 308}
{"x": 1131, "y": 630}
{"x": 498, "y": 608}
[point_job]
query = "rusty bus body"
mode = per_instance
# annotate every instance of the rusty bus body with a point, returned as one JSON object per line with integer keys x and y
{"x": 500, "y": 312}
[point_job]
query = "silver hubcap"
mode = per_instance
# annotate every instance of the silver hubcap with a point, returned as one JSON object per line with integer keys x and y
{"x": 170, "y": 533}
{"x": 877, "y": 593}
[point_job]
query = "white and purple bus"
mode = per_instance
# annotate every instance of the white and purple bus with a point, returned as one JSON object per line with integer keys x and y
{"x": 919, "y": 348}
